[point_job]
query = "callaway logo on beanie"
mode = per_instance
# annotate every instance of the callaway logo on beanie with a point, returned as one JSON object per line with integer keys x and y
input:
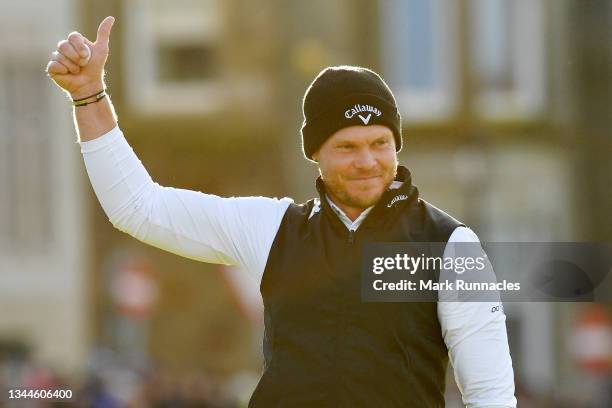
{"x": 345, "y": 96}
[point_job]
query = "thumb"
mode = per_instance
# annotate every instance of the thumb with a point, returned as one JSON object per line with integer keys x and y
{"x": 105, "y": 29}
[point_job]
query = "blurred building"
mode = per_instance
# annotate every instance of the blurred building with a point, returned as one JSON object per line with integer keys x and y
{"x": 44, "y": 235}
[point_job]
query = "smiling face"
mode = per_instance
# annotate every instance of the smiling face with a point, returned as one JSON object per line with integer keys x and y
{"x": 357, "y": 164}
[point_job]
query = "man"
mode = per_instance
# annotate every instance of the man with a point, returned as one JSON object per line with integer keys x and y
{"x": 323, "y": 347}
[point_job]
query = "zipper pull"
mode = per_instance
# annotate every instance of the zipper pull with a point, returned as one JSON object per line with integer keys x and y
{"x": 351, "y": 236}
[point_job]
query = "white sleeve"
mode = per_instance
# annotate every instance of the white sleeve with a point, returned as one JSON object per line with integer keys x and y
{"x": 233, "y": 231}
{"x": 477, "y": 342}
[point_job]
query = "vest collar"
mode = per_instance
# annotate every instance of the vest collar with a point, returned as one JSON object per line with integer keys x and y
{"x": 400, "y": 192}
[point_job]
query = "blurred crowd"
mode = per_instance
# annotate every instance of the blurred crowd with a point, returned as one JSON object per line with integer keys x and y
{"x": 113, "y": 382}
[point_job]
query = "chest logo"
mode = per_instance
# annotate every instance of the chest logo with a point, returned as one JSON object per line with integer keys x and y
{"x": 397, "y": 198}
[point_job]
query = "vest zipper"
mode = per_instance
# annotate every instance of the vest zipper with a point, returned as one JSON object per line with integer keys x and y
{"x": 351, "y": 236}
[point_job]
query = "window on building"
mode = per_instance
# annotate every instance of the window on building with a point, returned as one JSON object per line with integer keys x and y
{"x": 507, "y": 57}
{"x": 26, "y": 197}
{"x": 419, "y": 56}
{"x": 172, "y": 55}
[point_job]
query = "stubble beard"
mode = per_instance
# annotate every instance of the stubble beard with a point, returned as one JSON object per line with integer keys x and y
{"x": 342, "y": 194}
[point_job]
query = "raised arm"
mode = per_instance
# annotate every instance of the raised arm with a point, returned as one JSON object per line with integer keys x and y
{"x": 204, "y": 227}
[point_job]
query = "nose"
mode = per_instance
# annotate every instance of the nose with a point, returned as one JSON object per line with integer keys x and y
{"x": 365, "y": 160}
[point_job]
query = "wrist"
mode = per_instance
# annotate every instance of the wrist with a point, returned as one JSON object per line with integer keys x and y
{"x": 88, "y": 90}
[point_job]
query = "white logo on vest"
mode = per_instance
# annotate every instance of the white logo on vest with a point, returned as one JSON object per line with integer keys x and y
{"x": 395, "y": 199}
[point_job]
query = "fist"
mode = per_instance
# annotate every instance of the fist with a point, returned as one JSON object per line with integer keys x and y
{"x": 77, "y": 65}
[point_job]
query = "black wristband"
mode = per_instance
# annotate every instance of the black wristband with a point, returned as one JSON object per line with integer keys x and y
{"x": 90, "y": 96}
{"x": 99, "y": 97}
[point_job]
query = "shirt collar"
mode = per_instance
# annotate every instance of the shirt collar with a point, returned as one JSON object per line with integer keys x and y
{"x": 351, "y": 225}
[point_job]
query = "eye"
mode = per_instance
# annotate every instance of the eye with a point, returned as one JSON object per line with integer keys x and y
{"x": 345, "y": 146}
{"x": 381, "y": 142}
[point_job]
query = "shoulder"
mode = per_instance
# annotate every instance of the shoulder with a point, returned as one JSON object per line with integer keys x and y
{"x": 438, "y": 221}
{"x": 437, "y": 214}
{"x": 256, "y": 205}
{"x": 463, "y": 234}
{"x": 304, "y": 210}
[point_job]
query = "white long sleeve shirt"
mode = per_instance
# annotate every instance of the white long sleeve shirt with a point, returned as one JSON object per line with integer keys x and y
{"x": 240, "y": 231}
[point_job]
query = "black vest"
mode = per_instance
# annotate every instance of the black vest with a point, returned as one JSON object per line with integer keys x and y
{"x": 323, "y": 346}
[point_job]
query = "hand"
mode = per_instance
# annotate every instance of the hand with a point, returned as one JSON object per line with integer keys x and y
{"x": 78, "y": 64}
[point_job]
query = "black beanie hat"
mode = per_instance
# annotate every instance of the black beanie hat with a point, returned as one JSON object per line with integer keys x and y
{"x": 345, "y": 96}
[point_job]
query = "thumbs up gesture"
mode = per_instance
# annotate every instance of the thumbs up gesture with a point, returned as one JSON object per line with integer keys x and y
{"x": 77, "y": 65}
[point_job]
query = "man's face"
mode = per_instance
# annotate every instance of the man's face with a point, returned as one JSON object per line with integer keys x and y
{"x": 357, "y": 164}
